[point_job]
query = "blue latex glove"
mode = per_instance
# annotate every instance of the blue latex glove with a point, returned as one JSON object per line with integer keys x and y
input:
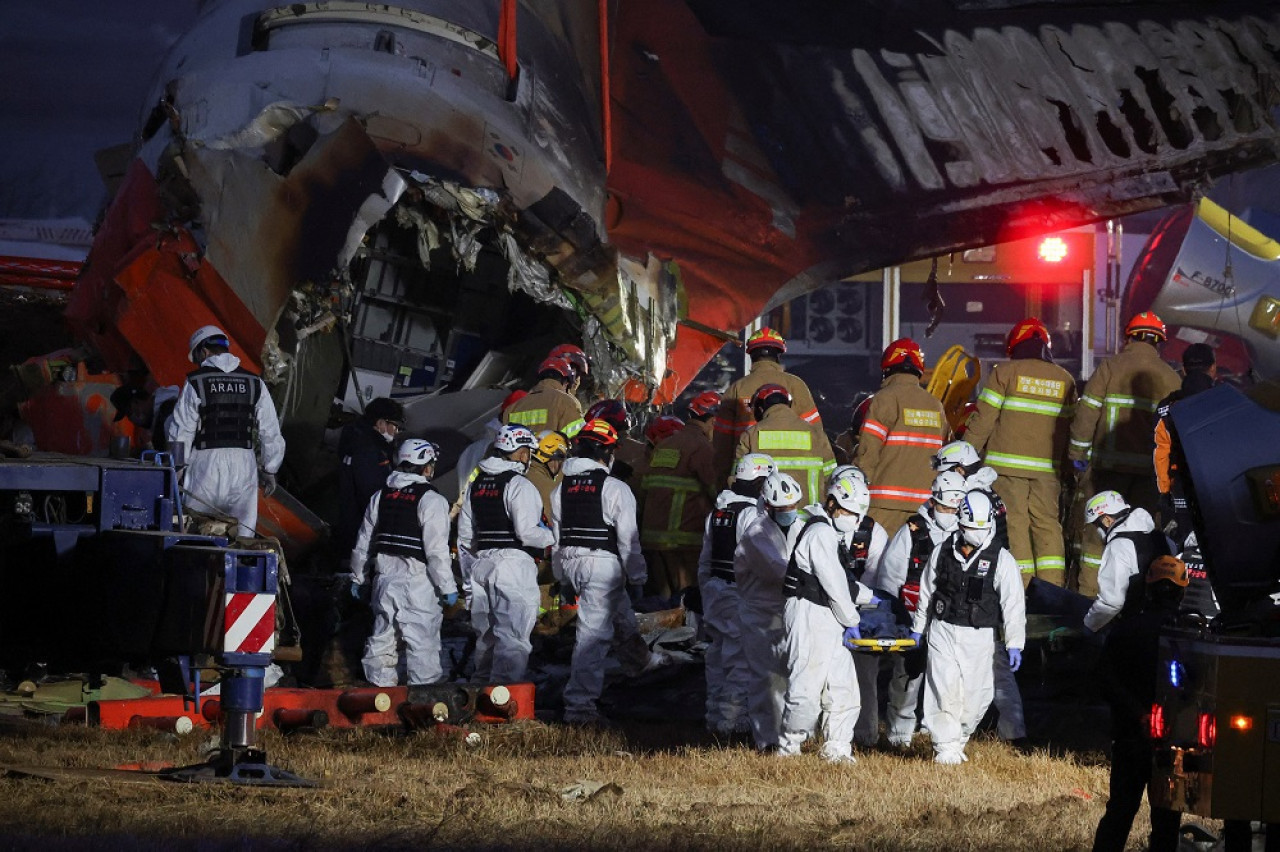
{"x": 916, "y": 637}
{"x": 357, "y": 590}
{"x": 875, "y": 601}
{"x": 851, "y": 633}
{"x": 1079, "y": 465}
{"x": 449, "y": 599}
{"x": 1015, "y": 659}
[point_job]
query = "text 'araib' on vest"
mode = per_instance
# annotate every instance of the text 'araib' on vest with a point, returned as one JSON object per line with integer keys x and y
{"x": 921, "y": 417}
{"x": 238, "y": 386}
{"x": 1048, "y": 388}
{"x": 775, "y": 439}
{"x": 582, "y": 487}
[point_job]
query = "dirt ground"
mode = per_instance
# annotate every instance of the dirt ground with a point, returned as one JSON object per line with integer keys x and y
{"x": 665, "y": 787}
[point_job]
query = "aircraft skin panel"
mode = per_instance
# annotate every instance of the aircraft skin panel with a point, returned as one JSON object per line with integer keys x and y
{"x": 878, "y": 138}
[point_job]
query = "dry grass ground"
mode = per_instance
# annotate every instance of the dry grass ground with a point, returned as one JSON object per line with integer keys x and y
{"x": 425, "y": 790}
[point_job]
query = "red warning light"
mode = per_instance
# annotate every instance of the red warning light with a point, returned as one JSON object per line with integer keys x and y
{"x": 1053, "y": 250}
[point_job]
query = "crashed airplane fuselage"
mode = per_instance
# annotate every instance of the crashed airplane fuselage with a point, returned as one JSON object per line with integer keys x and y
{"x": 422, "y": 197}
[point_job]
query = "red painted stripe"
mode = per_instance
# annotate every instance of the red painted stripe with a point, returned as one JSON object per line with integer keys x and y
{"x": 261, "y": 633}
{"x": 238, "y": 604}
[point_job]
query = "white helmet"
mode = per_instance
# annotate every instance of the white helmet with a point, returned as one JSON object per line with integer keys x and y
{"x": 753, "y": 466}
{"x": 419, "y": 452}
{"x": 781, "y": 489}
{"x": 1104, "y": 503}
{"x": 512, "y": 437}
{"x": 948, "y": 489}
{"x": 976, "y": 511}
{"x": 847, "y": 470}
{"x": 957, "y": 453}
{"x": 850, "y": 494}
{"x": 206, "y": 333}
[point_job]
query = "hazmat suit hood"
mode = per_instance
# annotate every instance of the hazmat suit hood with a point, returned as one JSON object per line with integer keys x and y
{"x": 1139, "y": 521}
{"x": 403, "y": 479}
{"x": 980, "y": 479}
{"x": 224, "y": 361}
{"x": 495, "y": 464}
{"x": 728, "y": 497}
{"x": 574, "y": 466}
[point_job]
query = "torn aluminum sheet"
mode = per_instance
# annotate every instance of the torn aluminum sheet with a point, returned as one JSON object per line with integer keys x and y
{"x": 477, "y": 203}
{"x": 268, "y": 125}
{"x": 529, "y": 275}
{"x": 371, "y": 212}
{"x": 409, "y": 216}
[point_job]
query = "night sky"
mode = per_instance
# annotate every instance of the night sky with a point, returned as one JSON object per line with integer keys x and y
{"x": 73, "y": 75}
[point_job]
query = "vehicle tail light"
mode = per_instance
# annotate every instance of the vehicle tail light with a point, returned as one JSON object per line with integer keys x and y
{"x": 1242, "y": 723}
{"x": 1207, "y": 730}
{"x": 1157, "y": 722}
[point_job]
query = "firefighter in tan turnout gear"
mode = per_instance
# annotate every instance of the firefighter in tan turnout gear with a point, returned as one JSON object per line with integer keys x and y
{"x": 798, "y": 447}
{"x": 765, "y": 348}
{"x": 678, "y": 488}
{"x": 550, "y": 403}
{"x": 1112, "y": 434}
{"x": 904, "y": 427}
{"x": 1023, "y": 422}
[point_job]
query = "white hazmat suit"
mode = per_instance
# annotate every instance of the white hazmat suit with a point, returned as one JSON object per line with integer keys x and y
{"x": 904, "y": 690}
{"x": 1119, "y": 564}
{"x": 867, "y": 666}
{"x": 820, "y": 674}
{"x": 761, "y": 560}
{"x": 727, "y": 669}
{"x": 958, "y": 676}
{"x": 504, "y": 581}
{"x": 600, "y": 578}
{"x": 406, "y": 591}
{"x": 225, "y": 479}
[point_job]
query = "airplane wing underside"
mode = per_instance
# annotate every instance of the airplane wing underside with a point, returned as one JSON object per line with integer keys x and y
{"x": 772, "y": 148}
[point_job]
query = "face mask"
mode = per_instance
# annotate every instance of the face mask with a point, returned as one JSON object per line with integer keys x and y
{"x": 946, "y": 520}
{"x": 974, "y": 537}
{"x": 786, "y": 518}
{"x": 1102, "y": 531}
{"x": 389, "y": 437}
{"x": 847, "y": 523}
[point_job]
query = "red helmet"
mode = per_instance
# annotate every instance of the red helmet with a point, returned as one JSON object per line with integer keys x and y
{"x": 766, "y": 338}
{"x": 611, "y": 410}
{"x": 573, "y": 355}
{"x": 1146, "y": 323}
{"x": 663, "y": 427}
{"x": 904, "y": 350}
{"x": 1024, "y": 331}
{"x": 704, "y": 403}
{"x": 512, "y": 398}
{"x": 767, "y": 395}
{"x": 557, "y": 367}
{"x": 598, "y": 431}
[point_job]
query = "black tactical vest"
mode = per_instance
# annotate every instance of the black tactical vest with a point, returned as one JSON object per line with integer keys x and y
{"x": 724, "y": 539}
{"x": 397, "y": 532}
{"x": 804, "y": 584}
{"x": 582, "y": 521}
{"x": 967, "y": 598}
{"x": 227, "y": 405}
{"x": 853, "y": 556}
{"x": 492, "y": 527}
{"x": 921, "y": 549}
{"x": 1146, "y": 547}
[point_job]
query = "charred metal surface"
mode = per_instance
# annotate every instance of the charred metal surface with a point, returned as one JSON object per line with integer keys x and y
{"x": 982, "y": 125}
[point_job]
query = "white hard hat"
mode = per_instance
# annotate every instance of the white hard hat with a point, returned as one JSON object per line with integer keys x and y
{"x": 959, "y": 453}
{"x": 1104, "y": 503}
{"x": 513, "y": 437}
{"x": 417, "y": 451}
{"x": 851, "y": 494}
{"x": 781, "y": 489}
{"x": 948, "y": 489}
{"x": 976, "y": 512}
{"x": 206, "y": 334}
{"x": 753, "y": 466}
{"x": 847, "y": 470}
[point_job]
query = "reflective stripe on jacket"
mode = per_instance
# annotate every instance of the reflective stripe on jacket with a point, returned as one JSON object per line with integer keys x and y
{"x": 1115, "y": 420}
{"x": 678, "y": 489}
{"x": 905, "y": 426}
{"x": 1024, "y": 418}
{"x": 798, "y": 448}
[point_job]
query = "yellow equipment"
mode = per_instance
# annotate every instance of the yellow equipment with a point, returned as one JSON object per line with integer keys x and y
{"x": 953, "y": 381}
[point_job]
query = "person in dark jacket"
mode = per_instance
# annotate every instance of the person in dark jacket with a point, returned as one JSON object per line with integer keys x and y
{"x": 1128, "y": 673}
{"x": 366, "y": 448}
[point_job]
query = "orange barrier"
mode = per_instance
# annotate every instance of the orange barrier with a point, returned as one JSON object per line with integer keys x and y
{"x": 287, "y": 709}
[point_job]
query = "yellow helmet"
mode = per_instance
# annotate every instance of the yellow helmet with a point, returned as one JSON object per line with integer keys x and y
{"x": 551, "y": 446}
